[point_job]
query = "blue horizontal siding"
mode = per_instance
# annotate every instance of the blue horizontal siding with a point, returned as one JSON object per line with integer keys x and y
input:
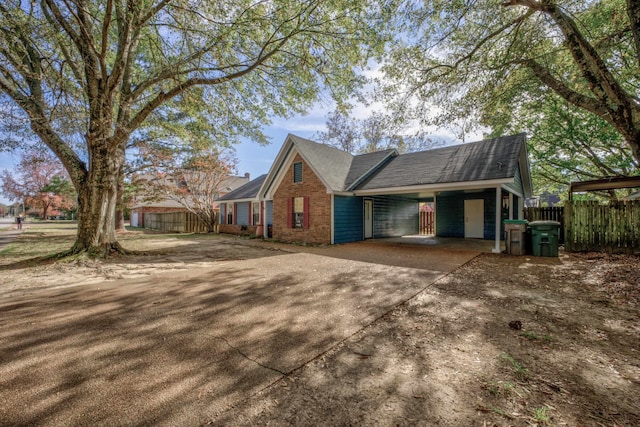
{"x": 516, "y": 186}
{"x": 242, "y": 212}
{"x": 450, "y": 213}
{"x": 347, "y": 219}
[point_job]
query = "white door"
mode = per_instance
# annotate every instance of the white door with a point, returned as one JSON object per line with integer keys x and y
{"x": 474, "y": 219}
{"x": 368, "y": 219}
{"x": 134, "y": 218}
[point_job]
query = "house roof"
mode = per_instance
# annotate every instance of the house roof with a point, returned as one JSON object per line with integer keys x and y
{"x": 162, "y": 203}
{"x": 363, "y": 164}
{"x": 227, "y": 185}
{"x": 487, "y": 160}
{"x": 490, "y": 159}
{"x": 330, "y": 164}
{"x": 248, "y": 191}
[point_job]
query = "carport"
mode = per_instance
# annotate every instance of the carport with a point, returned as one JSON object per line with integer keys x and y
{"x": 463, "y": 210}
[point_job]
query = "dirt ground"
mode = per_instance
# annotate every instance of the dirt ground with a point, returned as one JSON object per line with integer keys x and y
{"x": 502, "y": 340}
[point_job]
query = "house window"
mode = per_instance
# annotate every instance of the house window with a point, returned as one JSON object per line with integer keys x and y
{"x": 256, "y": 213}
{"x": 229, "y": 213}
{"x": 297, "y": 172}
{"x": 298, "y": 212}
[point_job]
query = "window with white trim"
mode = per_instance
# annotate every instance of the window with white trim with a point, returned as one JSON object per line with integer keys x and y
{"x": 230, "y": 213}
{"x": 256, "y": 213}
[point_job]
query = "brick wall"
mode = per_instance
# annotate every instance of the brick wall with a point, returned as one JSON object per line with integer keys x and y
{"x": 319, "y": 231}
{"x": 237, "y": 229}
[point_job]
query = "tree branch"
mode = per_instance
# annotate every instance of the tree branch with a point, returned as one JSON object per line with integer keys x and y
{"x": 182, "y": 87}
{"x": 633, "y": 11}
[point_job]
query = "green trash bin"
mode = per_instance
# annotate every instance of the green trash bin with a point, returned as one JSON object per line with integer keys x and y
{"x": 515, "y": 236}
{"x": 544, "y": 238}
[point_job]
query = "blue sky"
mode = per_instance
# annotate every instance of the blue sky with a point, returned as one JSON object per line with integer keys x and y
{"x": 256, "y": 159}
{"x": 253, "y": 158}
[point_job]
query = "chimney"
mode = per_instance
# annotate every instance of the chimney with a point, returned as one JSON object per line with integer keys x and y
{"x": 246, "y": 175}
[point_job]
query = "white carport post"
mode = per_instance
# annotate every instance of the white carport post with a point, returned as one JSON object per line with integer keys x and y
{"x": 511, "y": 208}
{"x": 496, "y": 249}
{"x": 263, "y": 216}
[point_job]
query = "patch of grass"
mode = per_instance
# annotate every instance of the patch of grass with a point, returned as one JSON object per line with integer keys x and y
{"x": 501, "y": 389}
{"x": 498, "y": 411}
{"x": 45, "y": 242}
{"x": 36, "y": 245}
{"x": 532, "y": 336}
{"x": 541, "y": 416}
{"x": 494, "y": 409}
{"x": 518, "y": 369}
{"x": 141, "y": 234}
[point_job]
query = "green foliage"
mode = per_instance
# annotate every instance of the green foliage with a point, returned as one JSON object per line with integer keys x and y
{"x": 507, "y": 64}
{"x": 566, "y": 144}
{"x": 93, "y": 79}
{"x": 530, "y": 335}
{"x": 61, "y": 186}
{"x": 500, "y": 389}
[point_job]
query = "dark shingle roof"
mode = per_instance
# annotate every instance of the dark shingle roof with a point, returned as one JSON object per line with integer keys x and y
{"x": 479, "y": 161}
{"x": 332, "y": 165}
{"x": 247, "y": 191}
{"x": 362, "y": 164}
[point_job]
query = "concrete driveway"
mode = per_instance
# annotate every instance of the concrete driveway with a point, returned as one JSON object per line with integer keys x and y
{"x": 176, "y": 349}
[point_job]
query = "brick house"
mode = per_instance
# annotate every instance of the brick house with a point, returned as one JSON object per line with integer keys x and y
{"x": 146, "y": 203}
{"x": 318, "y": 194}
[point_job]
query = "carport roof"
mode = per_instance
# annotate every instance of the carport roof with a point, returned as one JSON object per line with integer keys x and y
{"x": 490, "y": 159}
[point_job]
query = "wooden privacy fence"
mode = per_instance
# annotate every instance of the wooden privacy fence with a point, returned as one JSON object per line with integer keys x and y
{"x": 175, "y": 222}
{"x": 555, "y": 213}
{"x": 614, "y": 227}
{"x": 426, "y": 222}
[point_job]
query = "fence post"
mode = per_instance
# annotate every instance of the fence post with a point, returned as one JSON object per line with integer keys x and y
{"x": 568, "y": 226}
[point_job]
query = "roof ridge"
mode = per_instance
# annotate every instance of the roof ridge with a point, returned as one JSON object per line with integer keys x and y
{"x": 329, "y": 163}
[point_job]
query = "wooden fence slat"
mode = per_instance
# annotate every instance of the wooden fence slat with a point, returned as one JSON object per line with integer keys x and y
{"x": 591, "y": 226}
{"x": 175, "y": 222}
{"x": 426, "y": 223}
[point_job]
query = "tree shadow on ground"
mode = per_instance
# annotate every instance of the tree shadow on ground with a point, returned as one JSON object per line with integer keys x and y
{"x": 174, "y": 249}
{"x": 181, "y": 348}
{"x": 449, "y": 357}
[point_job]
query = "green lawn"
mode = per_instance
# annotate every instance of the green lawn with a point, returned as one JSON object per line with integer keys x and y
{"x": 42, "y": 239}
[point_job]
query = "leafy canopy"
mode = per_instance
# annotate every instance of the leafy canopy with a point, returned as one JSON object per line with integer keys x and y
{"x": 484, "y": 61}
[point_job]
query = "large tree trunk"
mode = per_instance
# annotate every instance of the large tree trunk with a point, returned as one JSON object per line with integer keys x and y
{"x": 120, "y": 200}
{"x": 97, "y": 198}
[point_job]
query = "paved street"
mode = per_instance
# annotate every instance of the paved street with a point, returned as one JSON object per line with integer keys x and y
{"x": 8, "y": 231}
